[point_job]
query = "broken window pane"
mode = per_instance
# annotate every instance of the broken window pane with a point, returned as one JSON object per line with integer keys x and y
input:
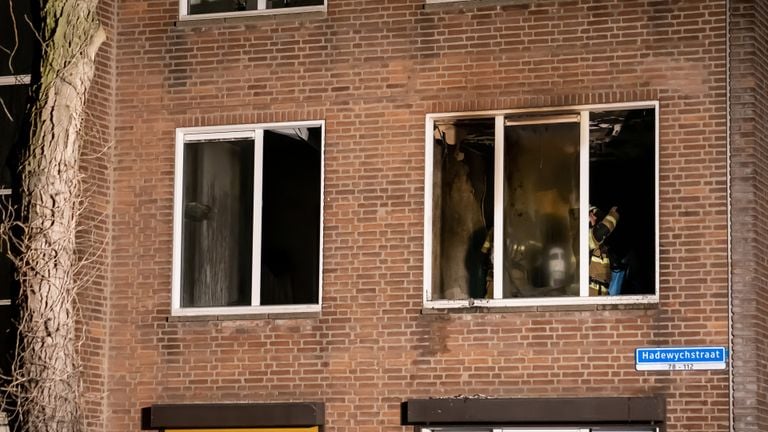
{"x": 290, "y": 237}
{"x": 217, "y": 223}
{"x": 214, "y": 6}
{"x": 622, "y": 175}
{"x": 541, "y": 198}
{"x": 462, "y": 208}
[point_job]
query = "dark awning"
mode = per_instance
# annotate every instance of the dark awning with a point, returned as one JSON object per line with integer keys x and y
{"x": 512, "y": 411}
{"x": 233, "y": 415}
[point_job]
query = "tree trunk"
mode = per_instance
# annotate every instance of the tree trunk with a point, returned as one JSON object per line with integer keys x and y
{"x": 47, "y": 374}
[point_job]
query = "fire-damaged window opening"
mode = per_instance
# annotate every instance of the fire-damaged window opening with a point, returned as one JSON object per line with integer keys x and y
{"x": 542, "y": 207}
{"x": 226, "y": 8}
{"x": 247, "y": 219}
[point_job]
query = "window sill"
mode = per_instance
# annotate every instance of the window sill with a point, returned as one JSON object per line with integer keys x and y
{"x": 228, "y": 313}
{"x": 541, "y": 305}
{"x": 248, "y": 17}
{"x": 472, "y": 4}
{"x": 244, "y": 317}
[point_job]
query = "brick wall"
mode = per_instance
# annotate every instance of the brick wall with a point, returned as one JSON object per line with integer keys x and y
{"x": 93, "y": 239}
{"x": 372, "y": 70}
{"x": 749, "y": 165}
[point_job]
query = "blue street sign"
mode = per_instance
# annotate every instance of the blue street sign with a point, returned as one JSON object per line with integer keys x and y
{"x": 681, "y": 358}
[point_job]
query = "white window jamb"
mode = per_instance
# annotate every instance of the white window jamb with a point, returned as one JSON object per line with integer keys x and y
{"x": 429, "y": 139}
{"x": 183, "y": 8}
{"x": 498, "y": 208}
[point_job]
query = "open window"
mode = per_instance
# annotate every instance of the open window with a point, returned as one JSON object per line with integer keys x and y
{"x": 247, "y": 219}
{"x": 542, "y": 207}
{"x": 191, "y": 9}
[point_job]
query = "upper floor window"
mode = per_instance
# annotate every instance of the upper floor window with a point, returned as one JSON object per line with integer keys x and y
{"x": 247, "y": 211}
{"x": 542, "y": 206}
{"x": 226, "y": 8}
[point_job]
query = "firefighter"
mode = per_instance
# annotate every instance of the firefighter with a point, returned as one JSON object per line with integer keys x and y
{"x": 600, "y": 265}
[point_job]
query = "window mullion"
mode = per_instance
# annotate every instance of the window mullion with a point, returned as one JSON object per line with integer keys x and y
{"x": 584, "y": 204}
{"x": 261, "y": 5}
{"x": 258, "y": 164}
{"x": 498, "y": 209}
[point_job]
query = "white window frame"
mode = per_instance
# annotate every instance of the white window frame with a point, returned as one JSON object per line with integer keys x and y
{"x": 499, "y": 115}
{"x": 184, "y": 14}
{"x": 255, "y": 132}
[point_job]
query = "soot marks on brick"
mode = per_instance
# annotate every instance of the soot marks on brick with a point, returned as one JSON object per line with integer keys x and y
{"x": 433, "y": 339}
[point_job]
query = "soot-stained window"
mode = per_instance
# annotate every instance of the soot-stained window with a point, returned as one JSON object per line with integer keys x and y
{"x": 557, "y": 204}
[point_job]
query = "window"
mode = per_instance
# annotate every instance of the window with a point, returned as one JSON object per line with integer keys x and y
{"x": 247, "y": 210}
{"x": 17, "y": 59}
{"x": 191, "y": 9}
{"x": 542, "y": 207}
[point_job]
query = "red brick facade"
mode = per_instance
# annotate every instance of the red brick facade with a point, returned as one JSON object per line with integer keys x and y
{"x": 372, "y": 70}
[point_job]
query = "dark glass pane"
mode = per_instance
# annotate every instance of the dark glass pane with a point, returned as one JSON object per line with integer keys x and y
{"x": 13, "y": 130}
{"x": 214, "y": 6}
{"x": 217, "y": 226}
{"x": 541, "y": 198}
{"x": 7, "y": 338}
{"x": 622, "y": 167}
{"x": 17, "y": 38}
{"x": 290, "y": 227}
{"x": 462, "y": 209}
{"x": 278, "y": 4}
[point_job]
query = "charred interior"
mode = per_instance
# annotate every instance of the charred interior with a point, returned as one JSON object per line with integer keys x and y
{"x": 542, "y": 184}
